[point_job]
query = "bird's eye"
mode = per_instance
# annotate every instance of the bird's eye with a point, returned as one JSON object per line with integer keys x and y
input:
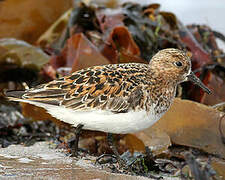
{"x": 178, "y": 64}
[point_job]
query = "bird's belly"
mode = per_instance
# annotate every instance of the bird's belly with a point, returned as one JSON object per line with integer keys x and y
{"x": 121, "y": 123}
{"x": 99, "y": 120}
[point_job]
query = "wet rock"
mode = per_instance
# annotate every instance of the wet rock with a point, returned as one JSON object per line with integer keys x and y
{"x": 194, "y": 125}
{"x": 40, "y": 161}
{"x": 10, "y": 116}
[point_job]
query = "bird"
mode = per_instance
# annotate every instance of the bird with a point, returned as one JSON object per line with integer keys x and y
{"x": 114, "y": 98}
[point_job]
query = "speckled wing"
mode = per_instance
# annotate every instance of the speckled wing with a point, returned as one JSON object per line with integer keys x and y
{"x": 111, "y": 87}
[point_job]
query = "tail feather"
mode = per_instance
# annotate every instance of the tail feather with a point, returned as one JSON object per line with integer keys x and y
{"x": 14, "y": 93}
{"x": 17, "y": 95}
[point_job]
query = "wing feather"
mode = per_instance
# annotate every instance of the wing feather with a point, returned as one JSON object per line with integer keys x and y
{"x": 111, "y": 87}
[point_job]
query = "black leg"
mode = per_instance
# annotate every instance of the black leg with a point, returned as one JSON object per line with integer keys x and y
{"x": 113, "y": 147}
{"x": 77, "y": 136}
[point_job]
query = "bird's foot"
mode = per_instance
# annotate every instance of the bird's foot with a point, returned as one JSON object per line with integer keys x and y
{"x": 125, "y": 161}
{"x": 106, "y": 158}
{"x": 75, "y": 140}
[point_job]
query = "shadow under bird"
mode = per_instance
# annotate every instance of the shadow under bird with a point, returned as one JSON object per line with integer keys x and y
{"x": 114, "y": 98}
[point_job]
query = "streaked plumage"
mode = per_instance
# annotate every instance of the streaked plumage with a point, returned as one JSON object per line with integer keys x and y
{"x": 118, "y": 98}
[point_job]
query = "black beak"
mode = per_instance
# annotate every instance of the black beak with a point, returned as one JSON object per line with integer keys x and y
{"x": 197, "y": 81}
